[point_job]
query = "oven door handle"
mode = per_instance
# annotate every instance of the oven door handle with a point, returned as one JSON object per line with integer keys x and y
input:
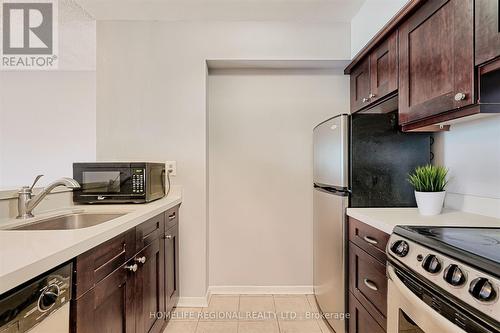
{"x": 425, "y": 312}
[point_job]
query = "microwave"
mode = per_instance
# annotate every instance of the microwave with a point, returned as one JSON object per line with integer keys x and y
{"x": 119, "y": 182}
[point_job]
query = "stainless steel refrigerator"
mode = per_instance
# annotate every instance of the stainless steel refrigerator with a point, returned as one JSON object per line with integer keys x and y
{"x": 359, "y": 161}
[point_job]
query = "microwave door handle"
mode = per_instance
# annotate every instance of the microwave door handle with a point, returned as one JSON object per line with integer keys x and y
{"x": 400, "y": 294}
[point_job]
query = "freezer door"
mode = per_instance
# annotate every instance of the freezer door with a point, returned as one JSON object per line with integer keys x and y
{"x": 331, "y": 152}
{"x": 329, "y": 255}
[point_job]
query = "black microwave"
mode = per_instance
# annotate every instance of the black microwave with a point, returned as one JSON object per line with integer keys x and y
{"x": 119, "y": 182}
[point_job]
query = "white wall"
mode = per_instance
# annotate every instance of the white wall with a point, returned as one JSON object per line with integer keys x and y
{"x": 48, "y": 118}
{"x": 471, "y": 150}
{"x": 372, "y": 16}
{"x": 260, "y": 149}
{"x": 151, "y": 90}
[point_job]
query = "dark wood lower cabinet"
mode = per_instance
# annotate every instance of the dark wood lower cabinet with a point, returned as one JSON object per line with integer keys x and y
{"x": 108, "y": 307}
{"x": 367, "y": 278}
{"x": 361, "y": 321}
{"x": 135, "y": 296}
{"x": 172, "y": 267}
{"x": 149, "y": 288}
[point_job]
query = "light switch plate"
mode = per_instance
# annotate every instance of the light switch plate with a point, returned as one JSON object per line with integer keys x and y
{"x": 171, "y": 165}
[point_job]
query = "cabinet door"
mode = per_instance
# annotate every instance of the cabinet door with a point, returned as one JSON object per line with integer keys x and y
{"x": 108, "y": 307}
{"x": 487, "y": 30}
{"x": 360, "y": 86}
{"x": 172, "y": 267}
{"x": 149, "y": 288}
{"x": 436, "y": 63}
{"x": 384, "y": 69}
{"x": 360, "y": 320}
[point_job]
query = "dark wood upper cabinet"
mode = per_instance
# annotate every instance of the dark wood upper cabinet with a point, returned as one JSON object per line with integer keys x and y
{"x": 436, "y": 60}
{"x": 172, "y": 267}
{"x": 360, "y": 86}
{"x": 487, "y": 30}
{"x": 384, "y": 69}
{"x": 376, "y": 76}
{"x": 149, "y": 288}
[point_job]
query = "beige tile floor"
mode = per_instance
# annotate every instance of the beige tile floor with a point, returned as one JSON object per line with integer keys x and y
{"x": 250, "y": 314}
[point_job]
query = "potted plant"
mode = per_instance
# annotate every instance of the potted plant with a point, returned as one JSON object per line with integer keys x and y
{"x": 429, "y": 182}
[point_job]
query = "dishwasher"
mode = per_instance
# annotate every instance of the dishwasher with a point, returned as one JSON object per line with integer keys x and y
{"x": 40, "y": 305}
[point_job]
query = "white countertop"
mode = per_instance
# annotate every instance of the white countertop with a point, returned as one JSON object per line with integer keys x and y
{"x": 26, "y": 254}
{"x": 386, "y": 219}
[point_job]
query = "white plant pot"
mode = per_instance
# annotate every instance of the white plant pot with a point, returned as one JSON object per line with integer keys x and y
{"x": 430, "y": 203}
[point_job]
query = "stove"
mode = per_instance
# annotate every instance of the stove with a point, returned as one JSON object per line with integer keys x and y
{"x": 455, "y": 271}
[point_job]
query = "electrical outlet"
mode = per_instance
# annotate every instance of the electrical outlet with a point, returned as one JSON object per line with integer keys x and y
{"x": 171, "y": 165}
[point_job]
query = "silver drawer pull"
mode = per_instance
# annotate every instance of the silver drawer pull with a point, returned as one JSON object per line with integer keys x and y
{"x": 172, "y": 216}
{"x": 133, "y": 268}
{"x": 370, "y": 240}
{"x": 460, "y": 97}
{"x": 141, "y": 260}
{"x": 168, "y": 237}
{"x": 370, "y": 285}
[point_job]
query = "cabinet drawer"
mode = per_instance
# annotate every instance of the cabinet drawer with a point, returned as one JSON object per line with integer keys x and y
{"x": 368, "y": 238}
{"x": 171, "y": 217}
{"x": 97, "y": 263}
{"x": 149, "y": 231}
{"x": 368, "y": 282}
{"x": 360, "y": 320}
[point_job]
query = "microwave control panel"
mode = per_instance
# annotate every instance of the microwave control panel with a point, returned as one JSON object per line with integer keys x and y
{"x": 138, "y": 176}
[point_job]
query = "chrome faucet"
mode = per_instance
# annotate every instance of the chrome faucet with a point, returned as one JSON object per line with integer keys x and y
{"x": 27, "y": 202}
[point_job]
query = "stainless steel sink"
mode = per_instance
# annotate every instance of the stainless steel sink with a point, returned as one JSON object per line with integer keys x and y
{"x": 71, "y": 221}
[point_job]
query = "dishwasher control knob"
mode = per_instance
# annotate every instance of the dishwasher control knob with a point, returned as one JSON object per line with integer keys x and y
{"x": 400, "y": 248}
{"x": 48, "y": 298}
{"x": 482, "y": 290}
{"x": 431, "y": 264}
{"x": 454, "y": 275}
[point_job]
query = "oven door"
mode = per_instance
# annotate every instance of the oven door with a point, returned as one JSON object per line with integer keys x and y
{"x": 406, "y": 312}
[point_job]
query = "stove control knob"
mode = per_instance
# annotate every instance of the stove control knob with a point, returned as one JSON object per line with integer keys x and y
{"x": 482, "y": 289}
{"x": 400, "y": 248}
{"x": 431, "y": 264}
{"x": 454, "y": 275}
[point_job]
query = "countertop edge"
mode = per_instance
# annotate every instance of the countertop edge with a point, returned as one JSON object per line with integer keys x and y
{"x": 25, "y": 273}
{"x": 378, "y": 224}
{"x": 386, "y": 219}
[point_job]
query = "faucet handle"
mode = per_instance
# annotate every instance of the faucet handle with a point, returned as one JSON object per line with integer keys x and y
{"x": 35, "y": 181}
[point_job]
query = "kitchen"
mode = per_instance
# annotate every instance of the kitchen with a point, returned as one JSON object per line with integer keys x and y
{"x": 227, "y": 95}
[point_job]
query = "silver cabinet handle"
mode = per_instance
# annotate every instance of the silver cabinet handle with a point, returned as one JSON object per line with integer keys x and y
{"x": 370, "y": 240}
{"x": 460, "y": 97}
{"x": 370, "y": 285}
{"x": 141, "y": 260}
{"x": 365, "y": 100}
{"x": 172, "y": 216}
{"x": 371, "y": 95}
{"x": 133, "y": 268}
{"x": 168, "y": 237}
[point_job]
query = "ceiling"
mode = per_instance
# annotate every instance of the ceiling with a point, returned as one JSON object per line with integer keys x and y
{"x": 223, "y": 10}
